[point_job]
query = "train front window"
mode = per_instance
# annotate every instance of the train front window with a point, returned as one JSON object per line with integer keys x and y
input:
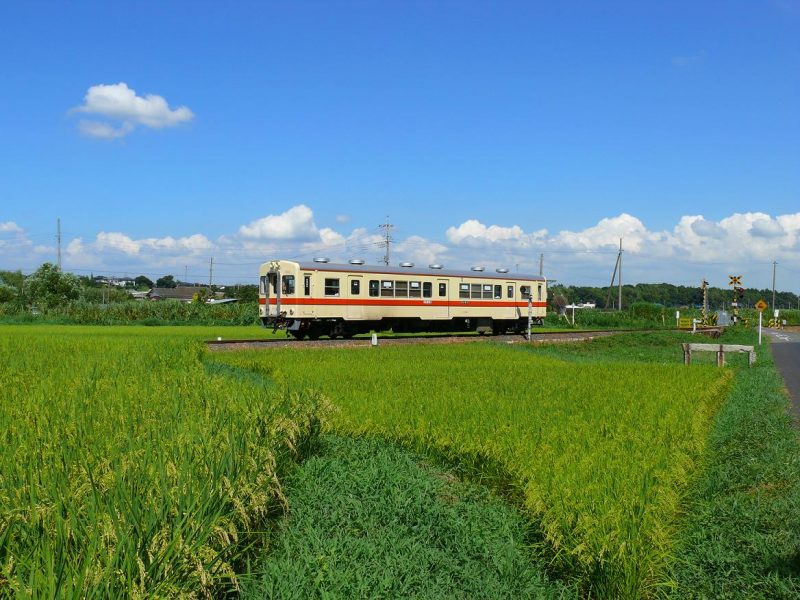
{"x": 355, "y": 287}
{"x": 463, "y": 290}
{"x": 442, "y": 290}
{"x": 287, "y": 289}
{"x": 273, "y": 282}
{"x": 414, "y": 289}
{"x": 427, "y": 289}
{"x": 331, "y": 287}
{"x": 525, "y": 291}
{"x": 387, "y": 289}
{"x": 374, "y": 288}
{"x": 475, "y": 290}
{"x": 540, "y": 292}
{"x": 262, "y": 285}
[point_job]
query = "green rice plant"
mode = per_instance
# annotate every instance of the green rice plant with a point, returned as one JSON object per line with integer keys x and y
{"x": 130, "y": 470}
{"x": 599, "y": 454}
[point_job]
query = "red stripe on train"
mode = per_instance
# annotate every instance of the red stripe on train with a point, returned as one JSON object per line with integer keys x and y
{"x": 394, "y": 302}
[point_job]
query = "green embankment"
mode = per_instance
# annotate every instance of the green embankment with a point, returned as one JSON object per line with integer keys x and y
{"x": 371, "y": 520}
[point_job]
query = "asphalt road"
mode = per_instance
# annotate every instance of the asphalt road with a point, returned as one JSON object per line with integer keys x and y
{"x": 786, "y": 350}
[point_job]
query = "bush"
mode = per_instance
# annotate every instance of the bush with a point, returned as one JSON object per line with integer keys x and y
{"x": 50, "y": 287}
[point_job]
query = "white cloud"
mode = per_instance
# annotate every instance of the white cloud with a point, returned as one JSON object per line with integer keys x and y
{"x": 295, "y": 223}
{"x": 687, "y": 60}
{"x": 104, "y": 131}
{"x": 473, "y": 233}
{"x": 421, "y": 250}
{"x": 767, "y": 228}
{"x": 121, "y": 104}
{"x": 10, "y": 227}
{"x": 342, "y": 218}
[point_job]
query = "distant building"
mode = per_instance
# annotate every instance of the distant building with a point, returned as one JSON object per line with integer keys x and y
{"x": 581, "y": 305}
{"x": 180, "y": 293}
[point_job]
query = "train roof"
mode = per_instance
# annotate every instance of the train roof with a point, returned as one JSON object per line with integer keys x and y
{"x": 414, "y": 270}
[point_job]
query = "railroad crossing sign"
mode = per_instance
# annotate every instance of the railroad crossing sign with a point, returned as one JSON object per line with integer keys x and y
{"x": 761, "y": 305}
{"x": 735, "y": 279}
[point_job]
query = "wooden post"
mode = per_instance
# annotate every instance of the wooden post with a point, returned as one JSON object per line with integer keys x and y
{"x": 687, "y": 354}
{"x": 721, "y": 356}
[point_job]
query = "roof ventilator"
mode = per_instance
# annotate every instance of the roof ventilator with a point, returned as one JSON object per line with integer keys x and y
{"x": 434, "y": 266}
{"x": 406, "y": 265}
{"x": 322, "y": 259}
{"x": 356, "y": 261}
{"x": 478, "y": 269}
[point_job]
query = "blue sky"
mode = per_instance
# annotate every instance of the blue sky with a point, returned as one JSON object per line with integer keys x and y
{"x": 488, "y": 132}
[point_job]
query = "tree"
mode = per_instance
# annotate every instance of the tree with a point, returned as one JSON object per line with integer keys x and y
{"x": 167, "y": 281}
{"x": 7, "y": 292}
{"x": 49, "y": 287}
{"x": 142, "y": 281}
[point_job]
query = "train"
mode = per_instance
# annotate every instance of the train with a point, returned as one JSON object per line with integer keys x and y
{"x": 316, "y": 298}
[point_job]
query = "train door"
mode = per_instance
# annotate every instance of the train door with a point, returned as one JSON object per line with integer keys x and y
{"x": 440, "y": 299}
{"x": 355, "y": 297}
{"x": 510, "y": 292}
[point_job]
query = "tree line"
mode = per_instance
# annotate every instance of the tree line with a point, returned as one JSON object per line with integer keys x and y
{"x": 670, "y": 295}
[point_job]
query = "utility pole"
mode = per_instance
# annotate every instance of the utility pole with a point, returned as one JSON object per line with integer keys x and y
{"x": 774, "y": 264}
{"x": 387, "y": 239}
{"x": 620, "y": 275}
{"x": 541, "y": 264}
{"x": 58, "y": 238}
{"x": 210, "y": 273}
{"x": 185, "y": 274}
{"x": 617, "y": 269}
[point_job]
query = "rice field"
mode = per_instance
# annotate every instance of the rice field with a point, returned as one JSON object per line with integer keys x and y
{"x": 600, "y": 455}
{"x": 129, "y": 469}
{"x": 135, "y": 463}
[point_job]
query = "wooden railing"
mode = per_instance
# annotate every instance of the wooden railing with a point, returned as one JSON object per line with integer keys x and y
{"x": 720, "y": 349}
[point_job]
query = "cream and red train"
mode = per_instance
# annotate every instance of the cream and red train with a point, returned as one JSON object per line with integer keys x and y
{"x": 310, "y": 299}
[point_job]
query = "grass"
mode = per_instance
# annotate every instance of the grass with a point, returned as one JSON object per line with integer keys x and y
{"x": 600, "y": 455}
{"x": 128, "y": 470}
{"x": 370, "y": 520}
{"x": 741, "y": 537}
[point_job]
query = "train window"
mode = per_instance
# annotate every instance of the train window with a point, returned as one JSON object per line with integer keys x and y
{"x": 525, "y": 291}
{"x": 287, "y": 288}
{"x": 475, "y": 290}
{"x": 273, "y": 279}
{"x": 540, "y": 292}
{"x": 401, "y": 289}
{"x": 487, "y": 291}
{"x": 355, "y": 287}
{"x": 498, "y": 292}
{"x": 511, "y": 291}
{"x": 307, "y": 285}
{"x": 374, "y": 288}
{"x": 387, "y": 289}
{"x": 427, "y": 289}
{"x": 331, "y": 287}
{"x": 414, "y": 289}
{"x": 463, "y": 290}
{"x": 262, "y": 285}
{"x": 442, "y": 290}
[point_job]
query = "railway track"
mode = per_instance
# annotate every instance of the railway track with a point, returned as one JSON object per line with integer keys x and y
{"x": 536, "y": 338}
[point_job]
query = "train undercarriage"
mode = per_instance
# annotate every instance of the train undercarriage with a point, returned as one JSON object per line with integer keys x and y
{"x": 334, "y": 328}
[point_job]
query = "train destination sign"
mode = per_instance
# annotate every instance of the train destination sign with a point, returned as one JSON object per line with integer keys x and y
{"x": 761, "y": 305}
